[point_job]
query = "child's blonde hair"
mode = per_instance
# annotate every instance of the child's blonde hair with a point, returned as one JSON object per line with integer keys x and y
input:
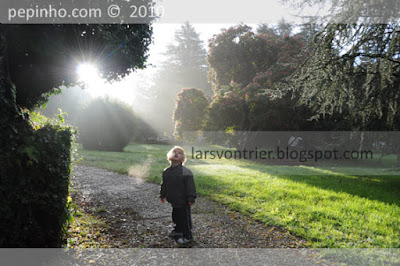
{"x": 170, "y": 154}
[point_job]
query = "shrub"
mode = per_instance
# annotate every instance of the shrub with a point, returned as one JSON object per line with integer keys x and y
{"x": 190, "y": 112}
{"x": 106, "y": 125}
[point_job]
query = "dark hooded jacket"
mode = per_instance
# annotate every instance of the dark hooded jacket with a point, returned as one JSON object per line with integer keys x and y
{"x": 178, "y": 186}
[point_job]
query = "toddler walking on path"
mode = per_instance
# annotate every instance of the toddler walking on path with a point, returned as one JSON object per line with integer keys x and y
{"x": 179, "y": 189}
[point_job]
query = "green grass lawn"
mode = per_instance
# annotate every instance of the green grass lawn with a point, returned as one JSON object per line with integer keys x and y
{"x": 330, "y": 208}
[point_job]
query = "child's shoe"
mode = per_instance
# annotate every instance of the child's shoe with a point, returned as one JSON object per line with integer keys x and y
{"x": 184, "y": 240}
{"x": 175, "y": 234}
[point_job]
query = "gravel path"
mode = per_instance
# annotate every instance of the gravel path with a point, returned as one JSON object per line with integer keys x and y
{"x": 137, "y": 218}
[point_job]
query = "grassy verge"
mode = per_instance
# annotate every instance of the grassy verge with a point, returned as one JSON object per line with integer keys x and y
{"x": 86, "y": 230}
{"x": 331, "y": 209}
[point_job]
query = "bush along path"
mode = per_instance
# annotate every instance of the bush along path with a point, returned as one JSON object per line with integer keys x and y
{"x": 114, "y": 210}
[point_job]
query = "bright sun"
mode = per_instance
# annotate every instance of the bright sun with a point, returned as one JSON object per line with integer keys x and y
{"x": 87, "y": 73}
{"x": 97, "y": 86}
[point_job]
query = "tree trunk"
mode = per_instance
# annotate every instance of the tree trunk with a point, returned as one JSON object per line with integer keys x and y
{"x": 242, "y": 139}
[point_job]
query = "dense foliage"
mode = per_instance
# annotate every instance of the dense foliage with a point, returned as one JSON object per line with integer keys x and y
{"x": 50, "y": 57}
{"x": 35, "y": 178}
{"x": 190, "y": 112}
{"x": 353, "y": 72}
{"x": 248, "y": 71}
{"x": 357, "y": 72}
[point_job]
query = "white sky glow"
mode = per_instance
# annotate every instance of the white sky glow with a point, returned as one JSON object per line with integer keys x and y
{"x": 127, "y": 89}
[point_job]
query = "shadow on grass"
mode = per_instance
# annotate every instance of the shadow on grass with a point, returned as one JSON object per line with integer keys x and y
{"x": 384, "y": 188}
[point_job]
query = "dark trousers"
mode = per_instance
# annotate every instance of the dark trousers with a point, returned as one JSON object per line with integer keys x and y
{"x": 182, "y": 218}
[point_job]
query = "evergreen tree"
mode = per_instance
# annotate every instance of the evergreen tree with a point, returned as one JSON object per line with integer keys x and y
{"x": 354, "y": 67}
{"x": 354, "y": 70}
{"x": 187, "y": 58}
{"x": 185, "y": 67}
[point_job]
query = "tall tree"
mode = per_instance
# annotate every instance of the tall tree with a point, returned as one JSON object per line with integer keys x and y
{"x": 187, "y": 58}
{"x": 355, "y": 70}
{"x": 246, "y": 68}
{"x": 185, "y": 67}
{"x": 354, "y": 67}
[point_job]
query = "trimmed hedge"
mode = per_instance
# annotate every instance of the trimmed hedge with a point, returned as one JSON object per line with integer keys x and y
{"x": 36, "y": 165}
